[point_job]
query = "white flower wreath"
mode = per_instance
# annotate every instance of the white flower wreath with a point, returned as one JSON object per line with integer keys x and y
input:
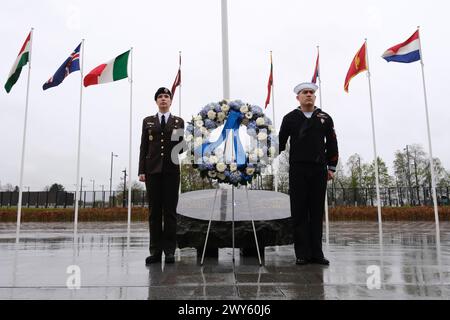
{"x": 232, "y": 114}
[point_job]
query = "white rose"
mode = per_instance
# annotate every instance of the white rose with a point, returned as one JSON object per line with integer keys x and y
{"x": 225, "y": 108}
{"x": 204, "y": 131}
{"x": 221, "y": 176}
{"x": 199, "y": 123}
{"x": 221, "y": 167}
{"x": 189, "y": 138}
{"x": 213, "y": 159}
{"x": 250, "y": 171}
{"x": 249, "y": 115}
{"x": 233, "y": 167}
{"x": 221, "y": 116}
{"x": 271, "y": 128}
{"x": 262, "y": 136}
{"x": 211, "y": 114}
{"x": 272, "y": 151}
{"x": 197, "y": 117}
{"x": 259, "y": 152}
{"x": 253, "y": 158}
{"x": 244, "y": 108}
{"x": 198, "y": 141}
{"x": 260, "y": 121}
{"x": 212, "y": 174}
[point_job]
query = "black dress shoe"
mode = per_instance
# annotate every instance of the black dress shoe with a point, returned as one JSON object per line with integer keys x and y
{"x": 152, "y": 259}
{"x": 321, "y": 261}
{"x": 301, "y": 261}
{"x": 170, "y": 258}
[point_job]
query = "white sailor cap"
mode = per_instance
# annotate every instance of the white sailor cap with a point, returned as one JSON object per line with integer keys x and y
{"x": 305, "y": 85}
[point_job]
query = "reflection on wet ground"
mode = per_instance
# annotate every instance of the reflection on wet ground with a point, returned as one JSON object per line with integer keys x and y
{"x": 409, "y": 265}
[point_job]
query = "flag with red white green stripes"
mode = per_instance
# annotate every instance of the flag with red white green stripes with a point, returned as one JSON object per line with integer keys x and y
{"x": 22, "y": 59}
{"x": 113, "y": 70}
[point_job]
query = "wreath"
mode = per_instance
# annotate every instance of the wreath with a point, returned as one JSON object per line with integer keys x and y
{"x": 210, "y": 160}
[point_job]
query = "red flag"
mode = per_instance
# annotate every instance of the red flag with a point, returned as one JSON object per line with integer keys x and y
{"x": 359, "y": 64}
{"x": 177, "y": 81}
{"x": 316, "y": 70}
{"x": 269, "y": 83}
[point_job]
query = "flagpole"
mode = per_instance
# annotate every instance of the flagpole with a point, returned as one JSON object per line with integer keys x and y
{"x": 131, "y": 141}
{"x": 327, "y": 220}
{"x": 433, "y": 176}
{"x": 179, "y": 107}
{"x": 226, "y": 93}
{"x": 273, "y": 120}
{"x": 77, "y": 191}
{"x": 225, "y": 51}
{"x": 22, "y": 161}
{"x": 380, "y": 227}
{"x": 179, "y": 90}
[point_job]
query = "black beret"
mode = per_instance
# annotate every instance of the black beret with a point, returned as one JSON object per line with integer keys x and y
{"x": 161, "y": 91}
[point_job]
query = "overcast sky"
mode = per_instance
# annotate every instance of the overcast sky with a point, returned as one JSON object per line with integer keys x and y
{"x": 158, "y": 30}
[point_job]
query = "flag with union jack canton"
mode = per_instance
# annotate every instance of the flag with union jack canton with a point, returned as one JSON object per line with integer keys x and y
{"x": 71, "y": 64}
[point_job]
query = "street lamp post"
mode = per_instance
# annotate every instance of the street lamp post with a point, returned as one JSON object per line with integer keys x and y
{"x": 93, "y": 192}
{"x": 81, "y": 192}
{"x": 124, "y": 187}
{"x": 103, "y": 195}
{"x": 110, "y": 179}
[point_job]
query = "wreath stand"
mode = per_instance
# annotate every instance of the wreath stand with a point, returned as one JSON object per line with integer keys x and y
{"x": 232, "y": 218}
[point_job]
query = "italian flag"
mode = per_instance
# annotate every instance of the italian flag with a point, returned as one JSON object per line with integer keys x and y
{"x": 113, "y": 70}
{"x": 22, "y": 59}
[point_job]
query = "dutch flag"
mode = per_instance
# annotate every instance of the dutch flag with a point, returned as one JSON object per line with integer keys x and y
{"x": 406, "y": 52}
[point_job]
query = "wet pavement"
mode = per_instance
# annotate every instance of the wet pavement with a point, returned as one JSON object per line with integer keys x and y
{"x": 109, "y": 264}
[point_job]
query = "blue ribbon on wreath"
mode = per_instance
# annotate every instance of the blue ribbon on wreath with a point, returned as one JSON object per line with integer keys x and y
{"x": 232, "y": 124}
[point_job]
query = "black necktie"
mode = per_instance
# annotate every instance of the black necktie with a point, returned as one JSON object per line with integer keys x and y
{"x": 163, "y": 122}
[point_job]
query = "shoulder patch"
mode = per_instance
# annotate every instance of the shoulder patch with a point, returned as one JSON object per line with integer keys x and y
{"x": 150, "y": 120}
{"x": 322, "y": 115}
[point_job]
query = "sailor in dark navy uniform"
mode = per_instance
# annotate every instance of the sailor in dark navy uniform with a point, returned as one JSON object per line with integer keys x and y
{"x": 160, "y": 170}
{"x": 313, "y": 158}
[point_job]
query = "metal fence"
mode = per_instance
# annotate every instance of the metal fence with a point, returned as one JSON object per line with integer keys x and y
{"x": 66, "y": 199}
{"x": 390, "y": 197}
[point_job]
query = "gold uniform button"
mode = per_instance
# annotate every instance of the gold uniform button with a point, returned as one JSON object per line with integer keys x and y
{"x": 162, "y": 154}
{"x": 162, "y": 133}
{"x": 162, "y": 147}
{"x": 162, "y": 140}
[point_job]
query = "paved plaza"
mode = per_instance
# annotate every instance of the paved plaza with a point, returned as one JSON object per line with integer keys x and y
{"x": 410, "y": 264}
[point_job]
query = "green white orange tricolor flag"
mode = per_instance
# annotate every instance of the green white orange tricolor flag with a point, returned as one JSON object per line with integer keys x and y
{"x": 113, "y": 70}
{"x": 22, "y": 59}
